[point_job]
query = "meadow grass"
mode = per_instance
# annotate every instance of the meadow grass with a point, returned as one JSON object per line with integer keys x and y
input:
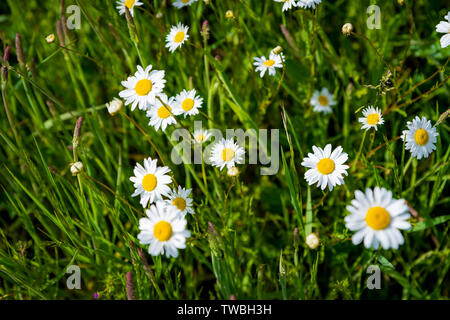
{"x": 248, "y": 233}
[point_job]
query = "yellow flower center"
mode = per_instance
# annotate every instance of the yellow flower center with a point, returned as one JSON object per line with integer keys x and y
{"x": 129, "y": 4}
{"x": 187, "y": 104}
{"x": 164, "y": 112}
{"x": 143, "y": 87}
{"x": 162, "y": 231}
{"x": 149, "y": 182}
{"x": 185, "y": 1}
{"x": 373, "y": 118}
{"x": 421, "y": 137}
{"x": 179, "y": 37}
{"x": 269, "y": 63}
{"x": 325, "y": 166}
{"x": 227, "y": 154}
{"x": 200, "y": 137}
{"x": 378, "y": 218}
{"x": 180, "y": 203}
{"x": 323, "y": 100}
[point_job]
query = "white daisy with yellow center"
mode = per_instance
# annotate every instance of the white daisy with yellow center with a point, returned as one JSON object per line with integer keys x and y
{"x": 372, "y": 118}
{"x": 187, "y": 103}
{"x": 262, "y": 64}
{"x": 182, "y": 3}
{"x": 322, "y": 101}
{"x": 226, "y": 153}
{"x": 201, "y": 136}
{"x": 288, "y": 4}
{"x": 444, "y": 27}
{"x": 151, "y": 182}
{"x": 420, "y": 137}
{"x": 161, "y": 115}
{"x": 164, "y": 230}
{"x": 308, "y": 3}
{"x": 177, "y": 36}
{"x": 326, "y": 167}
{"x": 142, "y": 88}
{"x": 376, "y": 218}
{"x": 181, "y": 200}
{"x": 130, "y": 4}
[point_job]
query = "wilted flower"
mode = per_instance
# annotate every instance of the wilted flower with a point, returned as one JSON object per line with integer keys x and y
{"x": 114, "y": 106}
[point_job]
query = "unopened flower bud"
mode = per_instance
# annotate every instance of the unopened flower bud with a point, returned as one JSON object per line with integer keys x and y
{"x": 296, "y": 238}
{"x": 232, "y": 171}
{"x": 159, "y": 15}
{"x": 77, "y": 133}
{"x": 229, "y": 14}
{"x": 59, "y": 32}
{"x": 130, "y": 287}
{"x": 277, "y": 50}
{"x": 5, "y": 66}
{"x": 50, "y": 38}
{"x": 347, "y": 29}
{"x": 205, "y": 30}
{"x": 114, "y": 106}
{"x": 312, "y": 240}
{"x": 76, "y": 168}
{"x": 19, "y": 50}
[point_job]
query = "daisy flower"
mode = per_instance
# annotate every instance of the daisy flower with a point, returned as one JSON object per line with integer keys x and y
{"x": 262, "y": 64}
{"x": 142, "y": 88}
{"x": 187, "y": 103}
{"x": 182, "y": 3}
{"x": 376, "y": 217}
{"x": 308, "y": 3}
{"x": 226, "y": 153}
{"x": 372, "y": 118}
{"x": 161, "y": 114}
{"x": 177, "y": 36}
{"x": 287, "y": 4}
{"x": 322, "y": 101}
{"x": 420, "y": 137}
{"x": 326, "y": 167}
{"x": 130, "y": 4}
{"x": 201, "y": 136}
{"x": 164, "y": 230}
{"x": 151, "y": 182}
{"x": 181, "y": 200}
{"x": 444, "y": 27}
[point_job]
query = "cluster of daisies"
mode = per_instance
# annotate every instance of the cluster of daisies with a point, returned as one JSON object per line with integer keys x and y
{"x": 164, "y": 228}
{"x": 288, "y": 4}
{"x": 375, "y": 215}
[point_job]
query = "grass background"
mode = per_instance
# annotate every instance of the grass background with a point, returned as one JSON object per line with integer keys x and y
{"x": 243, "y": 241}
